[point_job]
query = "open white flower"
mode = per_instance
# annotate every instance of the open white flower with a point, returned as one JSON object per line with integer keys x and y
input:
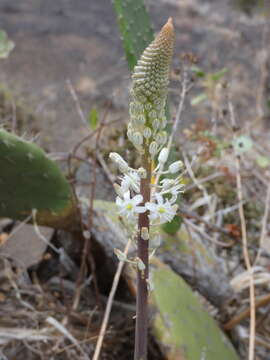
{"x": 129, "y": 207}
{"x": 161, "y": 212}
{"x": 174, "y": 191}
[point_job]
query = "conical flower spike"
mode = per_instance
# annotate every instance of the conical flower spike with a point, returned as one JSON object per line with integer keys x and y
{"x": 150, "y": 87}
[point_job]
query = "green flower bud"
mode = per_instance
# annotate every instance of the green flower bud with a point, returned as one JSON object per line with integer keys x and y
{"x": 147, "y": 132}
{"x": 149, "y": 90}
{"x": 153, "y": 148}
{"x": 161, "y": 137}
{"x": 156, "y": 124}
{"x": 137, "y": 139}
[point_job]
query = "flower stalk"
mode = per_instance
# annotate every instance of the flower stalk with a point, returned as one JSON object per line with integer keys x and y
{"x": 143, "y": 275}
{"x": 149, "y": 92}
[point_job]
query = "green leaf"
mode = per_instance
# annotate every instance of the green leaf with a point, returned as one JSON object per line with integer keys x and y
{"x": 198, "y": 71}
{"x": 173, "y": 226}
{"x": 218, "y": 75}
{"x": 198, "y": 99}
{"x": 263, "y": 161}
{"x": 93, "y": 118}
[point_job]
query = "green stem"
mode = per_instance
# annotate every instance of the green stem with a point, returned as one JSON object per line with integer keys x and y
{"x": 142, "y": 276}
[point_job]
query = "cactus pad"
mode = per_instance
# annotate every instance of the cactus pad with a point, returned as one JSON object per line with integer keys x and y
{"x": 184, "y": 330}
{"x": 135, "y": 28}
{"x": 30, "y": 180}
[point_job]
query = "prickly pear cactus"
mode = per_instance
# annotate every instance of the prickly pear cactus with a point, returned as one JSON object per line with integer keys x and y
{"x": 30, "y": 180}
{"x": 183, "y": 329}
{"x": 135, "y": 28}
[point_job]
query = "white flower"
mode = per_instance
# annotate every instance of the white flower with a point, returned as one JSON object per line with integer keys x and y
{"x": 129, "y": 207}
{"x": 131, "y": 181}
{"x": 161, "y": 212}
{"x": 173, "y": 191}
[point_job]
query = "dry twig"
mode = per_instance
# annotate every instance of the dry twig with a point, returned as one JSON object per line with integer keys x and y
{"x": 252, "y": 330}
{"x": 109, "y": 305}
{"x": 244, "y": 314}
{"x": 264, "y": 225}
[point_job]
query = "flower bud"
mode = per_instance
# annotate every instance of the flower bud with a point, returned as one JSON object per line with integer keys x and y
{"x": 152, "y": 114}
{"x": 140, "y": 120}
{"x": 175, "y": 166}
{"x": 133, "y": 109}
{"x": 167, "y": 183}
{"x": 161, "y": 137}
{"x": 147, "y": 106}
{"x": 119, "y": 161}
{"x": 153, "y": 148}
{"x": 137, "y": 139}
{"x": 163, "y": 156}
{"x": 147, "y": 132}
{"x": 156, "y": 124}
{"x": 142, "y": 173}
{"x": 145, "y": 233}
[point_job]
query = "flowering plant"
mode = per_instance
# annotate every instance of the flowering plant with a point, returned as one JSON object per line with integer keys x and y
{"x": 141, "y": 201}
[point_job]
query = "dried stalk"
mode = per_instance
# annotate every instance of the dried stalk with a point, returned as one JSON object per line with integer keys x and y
{"x": 252, "y": 330}
{"x": 109, "y": 305}
{"x": 264, "y": 225}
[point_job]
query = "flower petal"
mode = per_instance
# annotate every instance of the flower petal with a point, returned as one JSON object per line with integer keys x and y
{"x": 159, "y": 198}
{"x": 137, "y": 199}
{"x": 150, "y": 206}
{"x": 127, "y": 195}
{"x": 119, "y": 201}
{"x": 140, "y": 209}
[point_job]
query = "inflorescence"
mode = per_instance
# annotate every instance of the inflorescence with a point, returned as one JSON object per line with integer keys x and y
{"x": 146, "y": 130}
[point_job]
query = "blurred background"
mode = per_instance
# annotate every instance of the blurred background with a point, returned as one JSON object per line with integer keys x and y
{"x": 67, "y": 43}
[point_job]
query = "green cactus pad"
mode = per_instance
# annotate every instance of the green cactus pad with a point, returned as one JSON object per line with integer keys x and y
{"x": 135, "y": 28}
{"x": 30, "y": 180}
{"x": 184, "y": 330}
